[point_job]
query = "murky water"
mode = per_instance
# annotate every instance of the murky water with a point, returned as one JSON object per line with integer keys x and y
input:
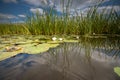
{"x": 90, "y": 59}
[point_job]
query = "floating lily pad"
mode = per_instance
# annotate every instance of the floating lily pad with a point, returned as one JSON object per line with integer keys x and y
{"x": 37, "y": 48}
{"x": 117, "y": 70}
{"x": 30, "y": 44}
{"x": 25, "y": 48}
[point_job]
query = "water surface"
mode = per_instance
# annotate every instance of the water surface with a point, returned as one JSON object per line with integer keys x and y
{"x": 88, "y": 59}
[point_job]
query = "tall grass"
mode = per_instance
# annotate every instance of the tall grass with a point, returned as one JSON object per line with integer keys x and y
{"x": 49, "y": 24}
{"x": 93, "y": 22}
{"x": 9, "y": 28}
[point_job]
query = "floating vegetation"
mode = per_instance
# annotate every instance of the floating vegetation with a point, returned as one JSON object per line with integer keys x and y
{"x": 12, "y": 45}
{"x": 117, "y": 70}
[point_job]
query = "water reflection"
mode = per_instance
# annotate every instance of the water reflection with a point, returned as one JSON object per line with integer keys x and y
{"x": 90, "y": 59}
{"x": 109, "y": 46}
{"x": 83, "y": 62}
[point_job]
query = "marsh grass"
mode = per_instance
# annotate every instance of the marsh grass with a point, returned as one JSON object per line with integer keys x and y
{"x": 49, "y": 24}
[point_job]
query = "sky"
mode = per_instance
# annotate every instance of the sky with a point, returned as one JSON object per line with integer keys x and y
{"x": 18, "y": 10}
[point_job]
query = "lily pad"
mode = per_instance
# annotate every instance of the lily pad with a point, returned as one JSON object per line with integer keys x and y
{"x": 117, "y": 70}
{"x": 28, "y": 44}
{"x": 25, "y": 48}
{"x": 35, "y": 49}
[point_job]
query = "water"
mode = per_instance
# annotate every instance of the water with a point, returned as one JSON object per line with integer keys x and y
{"x": 90, "y": 59}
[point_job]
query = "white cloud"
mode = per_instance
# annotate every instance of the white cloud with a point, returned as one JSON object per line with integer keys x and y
{"x": 10, "y": 1}
{"x": 37, "y": 2}
{"x": 21, "y": 15}
{"x": 106, "y": 9}
{"x": 50, "y": 3}
{"x": 36, "y": 10}
{"x": 58, "y": 4}
{"x": 109, "y": 7}
{"x": 19, "y": 21}
{"x": 7, "y": 16}
{"x": 74, "y": 4}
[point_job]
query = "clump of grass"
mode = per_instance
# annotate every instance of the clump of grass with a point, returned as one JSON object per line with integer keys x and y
{"x": 49, "y": 24}
{"x": 94, "y": 22}
{"x": 9, "y": 28}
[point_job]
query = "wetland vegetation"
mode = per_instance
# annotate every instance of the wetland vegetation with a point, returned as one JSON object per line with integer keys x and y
{"x": 94, "y": 22}
{"x": 86, "y": 47}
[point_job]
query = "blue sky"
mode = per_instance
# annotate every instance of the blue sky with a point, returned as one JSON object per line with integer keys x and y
{"x": 16, "y": 10}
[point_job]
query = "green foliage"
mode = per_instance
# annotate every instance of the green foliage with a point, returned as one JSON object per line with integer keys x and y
{"x": 117, "y": 70}
{"x": 49, "y": 24}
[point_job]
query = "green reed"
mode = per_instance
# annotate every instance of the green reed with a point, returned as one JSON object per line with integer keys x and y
{"x": 52, "y": 24}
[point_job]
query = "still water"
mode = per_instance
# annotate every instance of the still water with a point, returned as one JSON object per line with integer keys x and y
{"x": 88, "y": 59}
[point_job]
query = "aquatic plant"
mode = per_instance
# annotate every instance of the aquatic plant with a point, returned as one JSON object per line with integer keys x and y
{"x": 117, "y": 70}
{"x": 52, "y": 24}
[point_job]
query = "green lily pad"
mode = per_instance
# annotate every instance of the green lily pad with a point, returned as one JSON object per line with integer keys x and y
{"x": 31, "y": 44}
{"x": 27, "y": 48}
{"x": 117, "y": 70}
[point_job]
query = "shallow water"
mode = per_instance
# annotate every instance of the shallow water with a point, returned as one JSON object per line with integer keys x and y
{"x": 90, "y": 59}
